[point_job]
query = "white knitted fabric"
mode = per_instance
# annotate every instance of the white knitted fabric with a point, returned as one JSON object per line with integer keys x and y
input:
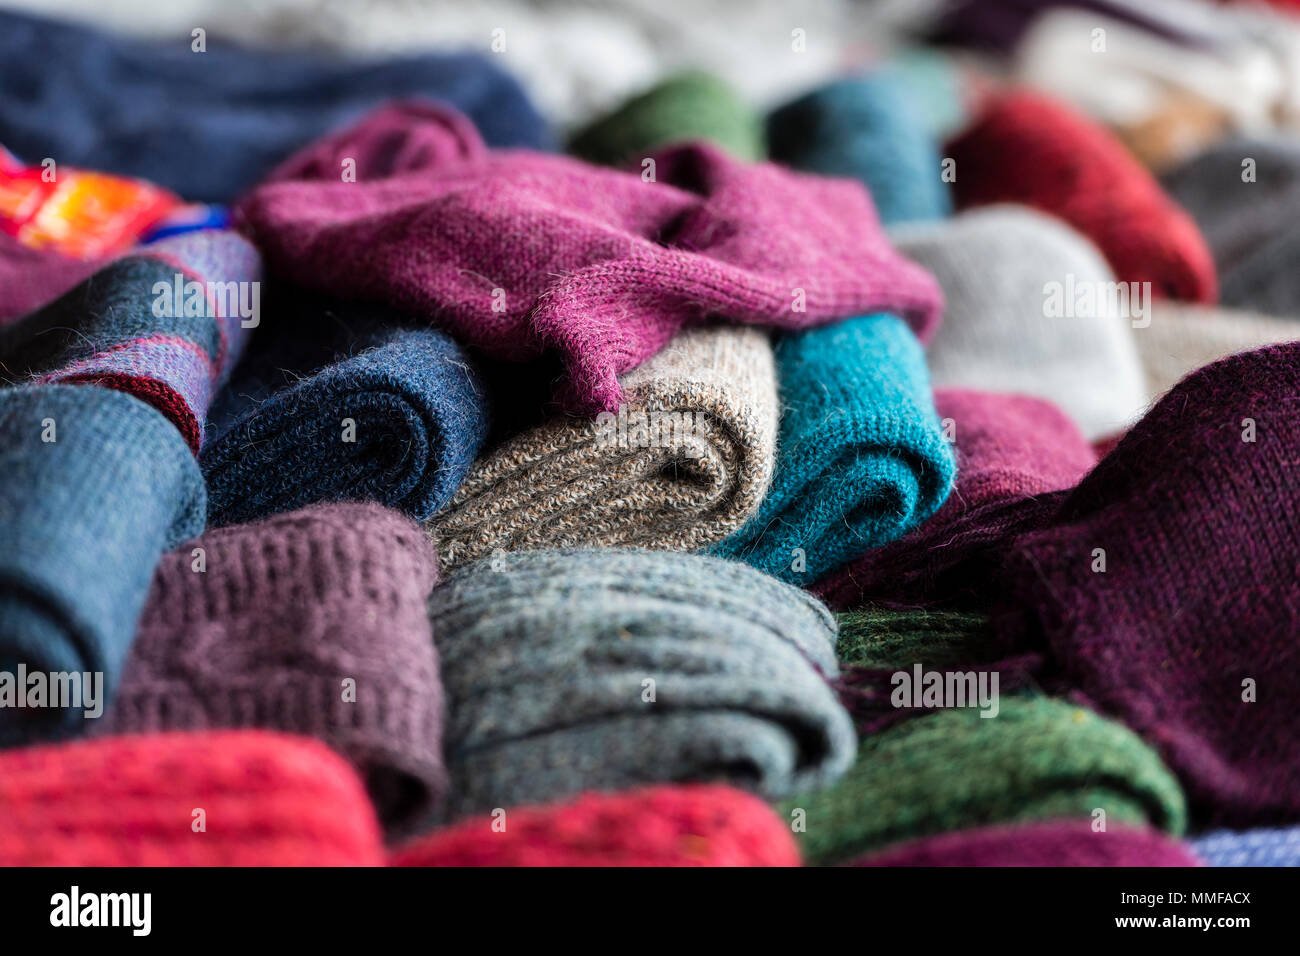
{"x": 995, "y": 265}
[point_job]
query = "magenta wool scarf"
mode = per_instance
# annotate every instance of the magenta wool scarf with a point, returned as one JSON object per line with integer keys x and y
{"x": 1013, "y": 451}
{"x": 1047, "y": 843}
{"x": 522, "y": 254}
{"x": 311, "y": 622}
{"x": 1166, "y": 586}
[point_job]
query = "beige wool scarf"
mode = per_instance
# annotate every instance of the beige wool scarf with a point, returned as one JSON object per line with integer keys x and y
{"x": 684, "y": 463}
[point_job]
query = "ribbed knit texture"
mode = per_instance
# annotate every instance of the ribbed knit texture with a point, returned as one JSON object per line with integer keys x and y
{"x": 996, "y": 266}
{"x": 1183, "y": 338}
{"x": 1012, "y": 453}
{"x": 83, "y": 521}
{"x": 286, "y": 612}
{"x": 1027, "y": 148}
{"x": 545, "y": 655}
{"x": 1260, "y": 847}
{"x": 861, "y": 458}
{"x": 657, "y": 826}
{"x": 1249, "y": 224}
{"x": 1200, "y": 534}
{"x": 1037, "y": 759}
{"x": 267, "y": 800}
{"x": 120, "y": 329}
{"x": 573, "y": 482}
{"x": 869, "y": 129}
{"x": 686, "y": 106}
{"x": 1050, "y": 843}
{"x": 209, "y": 125}
{"x": 521, "y": 253}
{"x": 417, "y": 406}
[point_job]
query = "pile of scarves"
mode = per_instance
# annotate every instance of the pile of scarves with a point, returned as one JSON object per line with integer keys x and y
{"x": 411, "y": 476}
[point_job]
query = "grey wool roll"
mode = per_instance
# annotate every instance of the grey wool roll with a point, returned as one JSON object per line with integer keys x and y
{"x": 582, "y": 670}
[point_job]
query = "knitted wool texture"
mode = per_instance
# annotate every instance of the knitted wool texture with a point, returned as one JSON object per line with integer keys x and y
{"x": 1183, "y": 338}
{"x": 865, "y": 128}
{"x": 612, "y": 265}
{"x": 209, "y": 126}
{"x": 84, "y": 517}
{"x": 417, "y": 408}
{"x": 861, "y": 458}
{"x": 686, "y": 462}
{"x": 1032, "y": 150}
{"x": 1037, "y": 759}
{"x": 136, "y": 327}
{"x": 1260, "y": 847}
{"x": 1246, "y": 213}
{"x": 1189, "y": 635}
{"x": 1050, "y": 843}
{"x": 686, "y": 106}
{"x": 697, "y": 825}
{"x": 1003, "y": 331}
{"x": 546, "y": 655}
{"x": 1012, "y": 453}
{"x": 268, "y": 799}
{"x": 284, "y": 613}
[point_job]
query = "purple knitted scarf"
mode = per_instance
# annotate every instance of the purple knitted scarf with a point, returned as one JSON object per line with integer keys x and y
{"x": 522, "y": 253}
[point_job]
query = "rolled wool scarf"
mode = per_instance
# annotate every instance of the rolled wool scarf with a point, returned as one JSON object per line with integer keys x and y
{"x": 1030, "y": 149}
{"x": 683, "y": 464}
{"x": 686, "y": 106}
{"x": 1049, "y": 843}
{"x": 1013, "y": 452}
{"x": 267, "y": 800}
{"x": 309, "y": 623}
{"x": 1031, "y": 309}
{"x": 1037, "y": 759}
{"x": 1189, "y": 634}
{"x": 1259, "y": 847}
{"x": 604, "y": 670}
{"x": 94, "y": 486}
{"x": 165, "y": 324}
{"x": 209, "y": 124}
{"x": 862, "y": 457}
{"x": 520, "y": 253}
{"x": 1183, "y": 338}
{"x": 697, "y": 825}
{"x": 866, "y": 128}
{"x": 1243, "y": 194}
{"x": 345, "y": 402}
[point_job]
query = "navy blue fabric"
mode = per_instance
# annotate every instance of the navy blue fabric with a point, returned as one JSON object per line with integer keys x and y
{"x": 417, "y": 402}
{"x": 209, "y": 125}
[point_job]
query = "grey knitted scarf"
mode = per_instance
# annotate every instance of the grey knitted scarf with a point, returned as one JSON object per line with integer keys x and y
{"x": 573, "y": 670}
